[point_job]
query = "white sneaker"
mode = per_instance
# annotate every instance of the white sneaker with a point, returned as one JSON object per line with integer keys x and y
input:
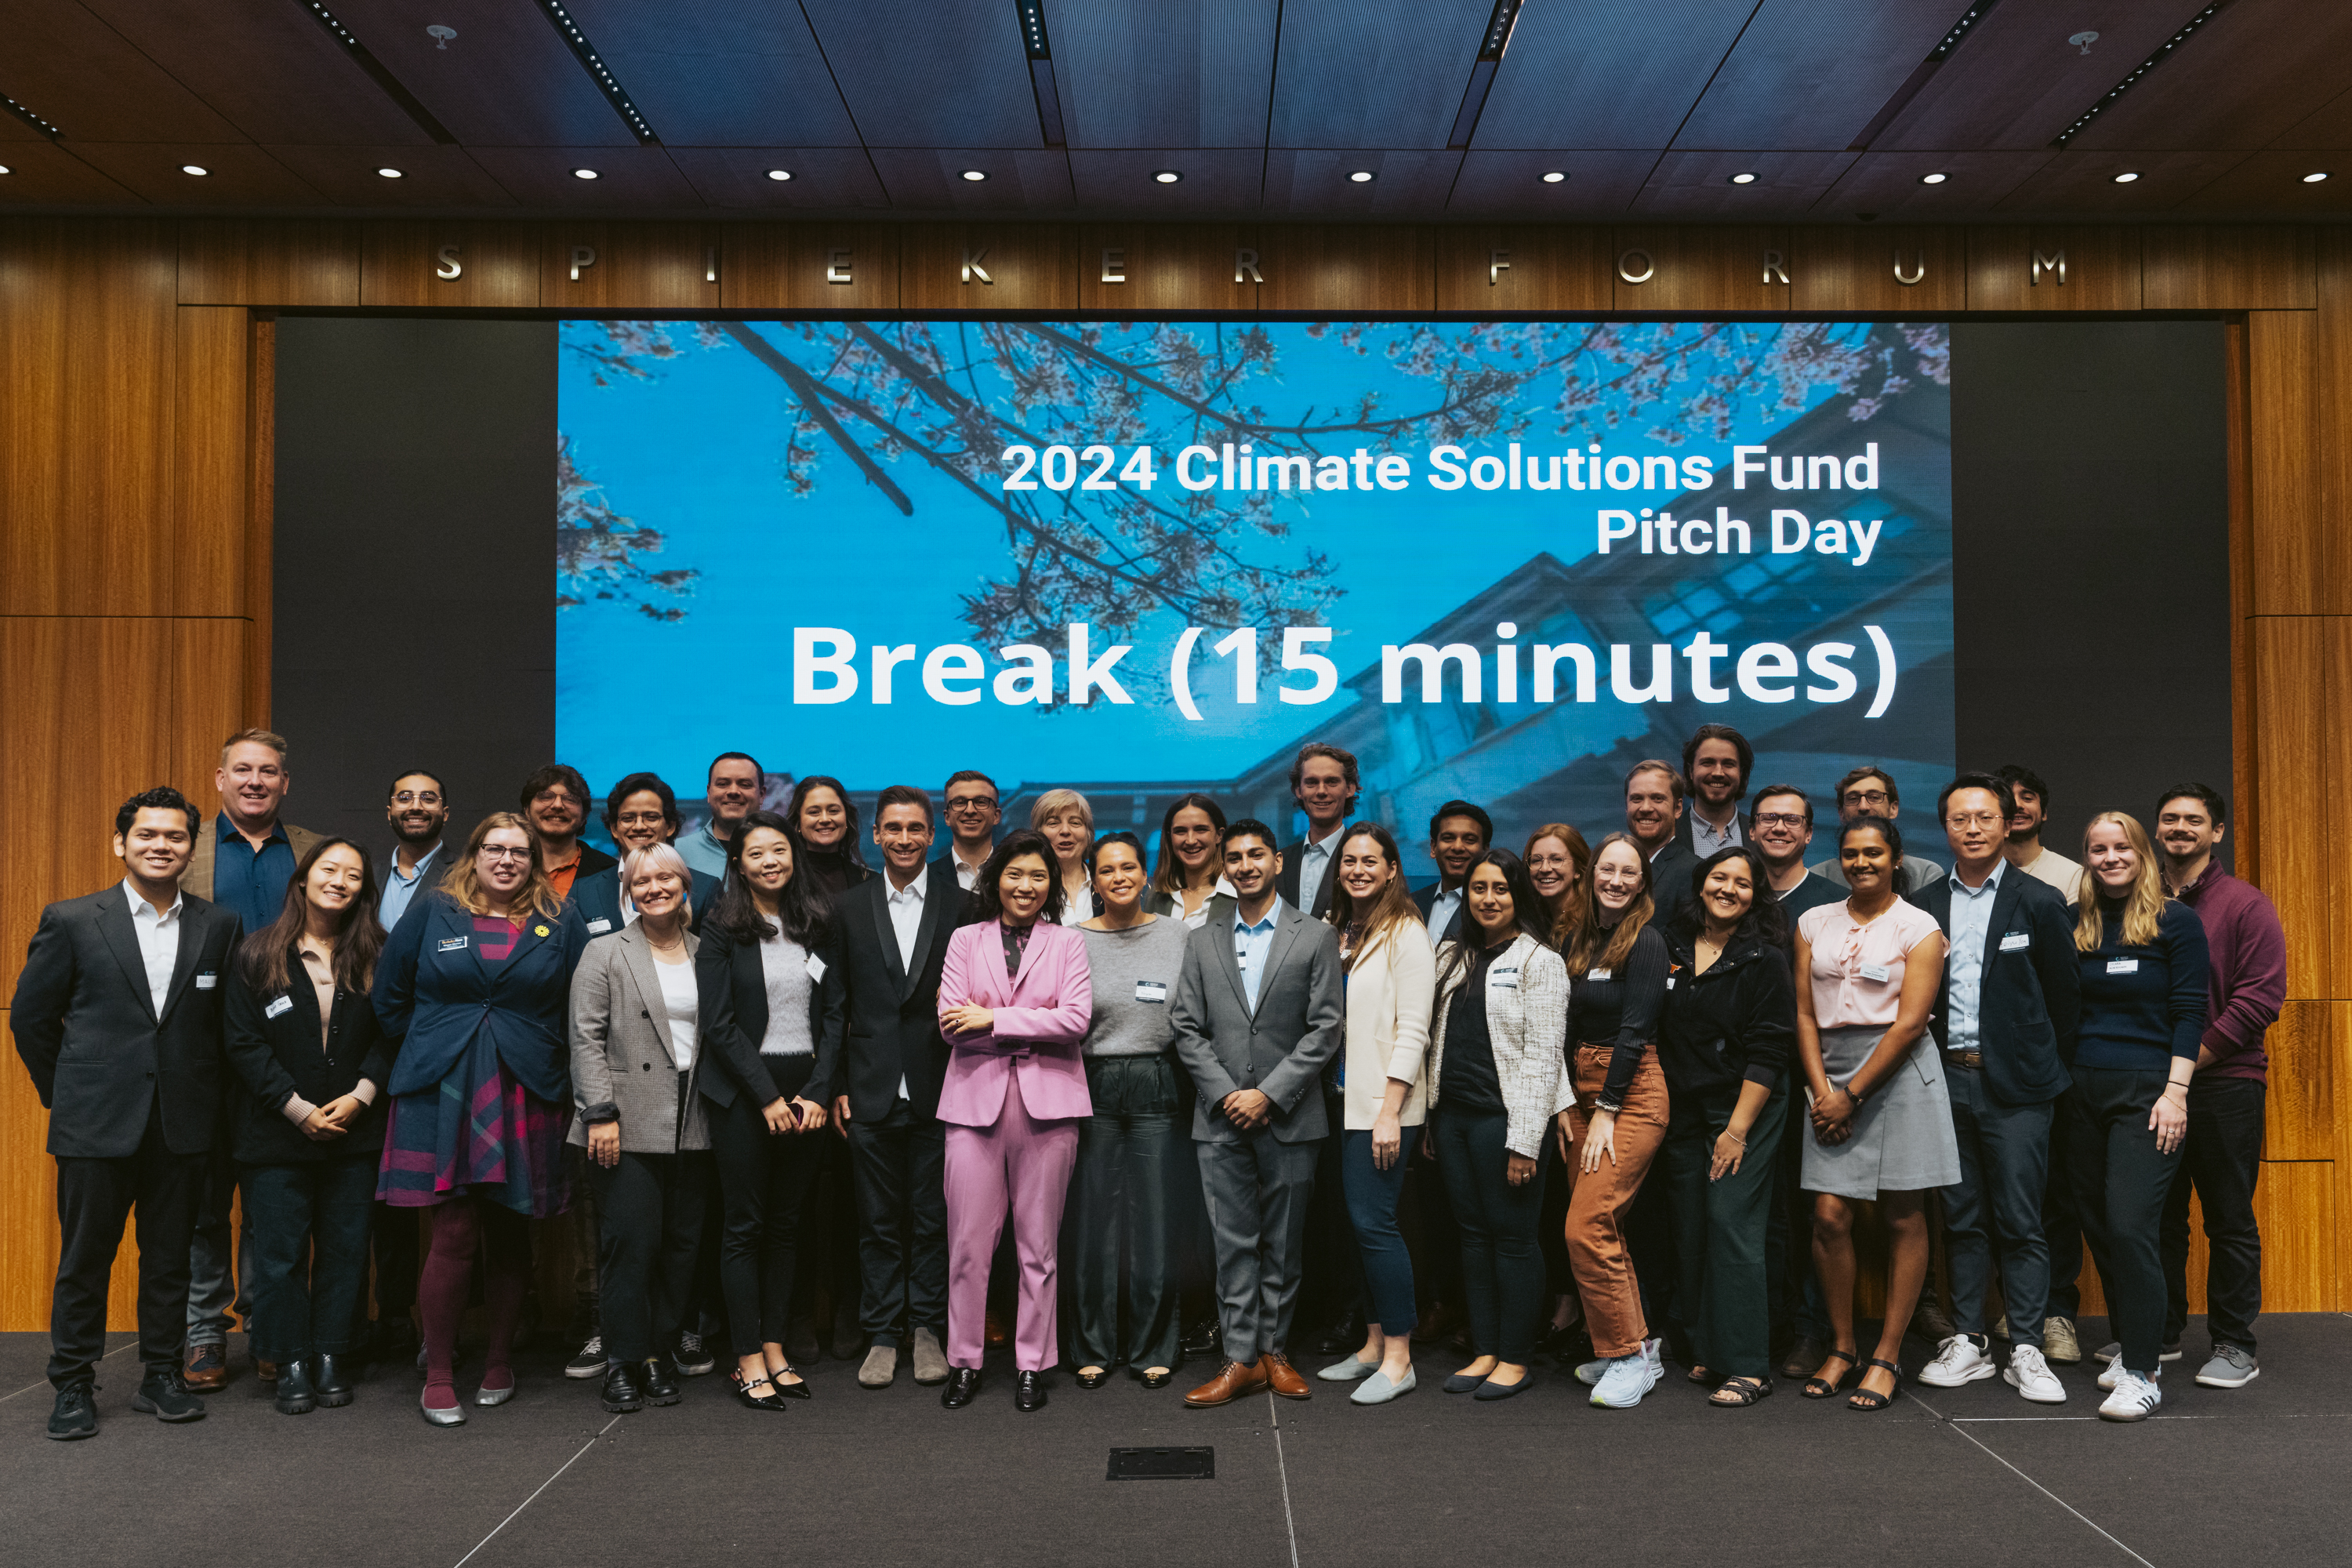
{"x": 2031, "y": 1376}
{"x": 1590, "y": 1372}
{"x": 1959, "y": 1361}
{"x": 1625, "y": 1381}
{"x": 2135, "y": 1398}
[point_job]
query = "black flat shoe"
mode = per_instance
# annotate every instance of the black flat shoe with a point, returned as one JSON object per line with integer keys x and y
{"x": 659, "y": 1382}
{"x": 748, "y": 1395}
{"x": 1094, "y": 1379}
{"x": 1028, "y": 1391}
{"x": 620, "y": 1394}
{"x": 1155, "y": 1379}
{"x": 1200, "y": 1339}
{"x": 332, "y": 1382}
{"x": 799, "y": 1390}
{"x": 964, "y": 1386}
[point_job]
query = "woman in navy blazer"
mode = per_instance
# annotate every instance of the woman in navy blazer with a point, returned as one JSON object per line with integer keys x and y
{"x": 1015, "y": 998}
{"x": 476, "y": 986}
{"x": 303, "y": 1034}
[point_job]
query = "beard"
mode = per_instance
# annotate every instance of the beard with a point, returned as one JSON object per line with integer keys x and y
{"x": 425, "y": 835}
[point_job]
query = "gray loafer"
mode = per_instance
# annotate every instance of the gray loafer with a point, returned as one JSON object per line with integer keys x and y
{"x": 931, "y": 1361}
{"x": 1377, "y": 1389}
{"x": 880, "y": 1369}
{"x": 1348, "y": 1371}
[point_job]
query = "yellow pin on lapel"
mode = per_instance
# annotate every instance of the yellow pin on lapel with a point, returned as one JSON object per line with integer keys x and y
{"x": 539, "y": 930}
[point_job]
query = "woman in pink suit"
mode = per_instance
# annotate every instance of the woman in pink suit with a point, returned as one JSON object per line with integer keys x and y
{"x": 1014, "y": 1003}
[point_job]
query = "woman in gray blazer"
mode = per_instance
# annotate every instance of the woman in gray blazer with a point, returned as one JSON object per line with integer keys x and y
{"x": 635, "y": 1029}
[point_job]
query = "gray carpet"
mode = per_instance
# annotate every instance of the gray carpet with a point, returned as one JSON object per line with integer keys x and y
{"x": 1973, "y": 1476}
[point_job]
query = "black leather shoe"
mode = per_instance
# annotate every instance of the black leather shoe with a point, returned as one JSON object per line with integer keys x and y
{"x": 964, "y": 1386}
{"x": 164, "y": 1397}
{"x": 1094, "y": 1378}
{"x": 620, "y": 1394}
{"x": 658, "y": 1381}
{"x": 73, "y": 1416}
{"x": 1028, "y": 1391}
{"x": 331, "y": 1382}
{"x": 1155, "y": 1379}
{"x": 1200, "y": 1339}
{"x": 1341, "y": 1338}
{"x": 295, "y": 1394}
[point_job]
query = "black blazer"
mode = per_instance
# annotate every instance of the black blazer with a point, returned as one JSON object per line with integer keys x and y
{"x": 1427, "y": 901}
{"x": 732, "y": 986}
{"x": 273, "y": 1043}
{"x": 1286, "y": 884}
{"x": 87, "y": 1028}
{"x": 1670, "y": 882}
{"x": 598, "y": 897}
{"x": 2030, "y": 997}
{"x": 893, "y": 1025}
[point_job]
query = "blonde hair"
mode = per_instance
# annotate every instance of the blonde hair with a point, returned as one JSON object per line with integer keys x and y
{"x": 2142, "y": 910}
{"x": 1055, "y": 802}
{"x": 1576, "y": 911}
{"x": 656, "y": 858}
{"x": 537, "y": 895}
{"x": 275, "y": 742}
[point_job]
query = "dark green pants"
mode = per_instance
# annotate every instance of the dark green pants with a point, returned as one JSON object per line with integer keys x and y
{"x": 1119, "y": 1226}
{"x": 1719, "y": 1232}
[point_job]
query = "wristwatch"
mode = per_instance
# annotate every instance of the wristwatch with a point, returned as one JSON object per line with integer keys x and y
{"x": 1853, "y": 1092}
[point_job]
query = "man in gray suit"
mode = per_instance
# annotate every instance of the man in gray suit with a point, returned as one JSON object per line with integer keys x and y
{"x": 1258, "y": 1010}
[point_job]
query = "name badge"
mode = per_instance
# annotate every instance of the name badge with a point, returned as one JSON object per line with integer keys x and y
{"x": 2123, "y": 966}
{"x": 454, "y": 943}
{"x": 206, "y": 981}
{"x": 815, "y": 967}
{"x": 1151, "y": 991}
{"x": 283, "y": 1004}
{"x": 599, "y": 926}
{"x": 1507, "y": 979}
{"x": 1670, "y": 982}
{"x": 1874, "y": 971}
{"x": 1596, "y": 974}
{"x": 2015, "y": 941}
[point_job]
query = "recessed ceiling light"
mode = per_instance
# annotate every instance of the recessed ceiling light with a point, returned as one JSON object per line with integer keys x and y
{"x": 1360, "y": 177}
{"x": 193, "y": 169}
{"x": 1553, "y": 176}
{"x": 1936, "y": 179}
{"x": 1166, "y": 176}
{"x": 389, "y": 173}
{"x": 2314, "y": 176}
{"x": 2127, "y": 177}
{"x": 583, "y": 173}
{"x": 975, "y": 175}
{"x": 1743, "y": 178}
{"x": 5, "y": 169}
{"x": 779, "y": 173}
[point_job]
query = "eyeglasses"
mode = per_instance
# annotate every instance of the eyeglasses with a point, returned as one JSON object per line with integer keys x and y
{"x": 1867, "y": 797}
{"x": 1974, "y": 819}
{"x": 640, "y": 819}
{"x": 1780, "y": 819}
{"x": 417, "y": 797}
{"x": 971, "y": 803}
{"x": 503, "y": 852}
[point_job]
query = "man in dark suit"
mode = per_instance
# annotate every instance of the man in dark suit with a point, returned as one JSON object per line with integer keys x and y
{"x": 894, "y": 939}
{"x": 1653, "y": 811}
{"x": 1459, "y": 833}
{"x": 1716, "y": 760}
{"x": 1325, "y": 783}
{"x": 2005, "y": 1019}
{"x": 118, "y": 1018}
{"x": 1258, "y": 1011}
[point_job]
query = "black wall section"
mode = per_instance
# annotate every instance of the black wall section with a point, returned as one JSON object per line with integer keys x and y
{"x": 2091, "y": 570}
{"x": 416, "y": 557}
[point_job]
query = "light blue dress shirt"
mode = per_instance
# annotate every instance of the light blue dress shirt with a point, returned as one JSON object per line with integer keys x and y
{"x": 1251, "y": 945}
{"x": 1314, "y": 865}
{"x": 400, "y": 891}
{"x": 1964, "y": 961}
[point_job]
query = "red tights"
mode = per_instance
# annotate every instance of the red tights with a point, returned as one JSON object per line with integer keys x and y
{"x": 463, "y": 1228}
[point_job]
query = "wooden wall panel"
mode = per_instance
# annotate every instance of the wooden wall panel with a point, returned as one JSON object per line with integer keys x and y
{"x": 652, "y": 268}
{"x": 2306, "y": 1049}
{"x": 269, "y": 261}
{"x": 2323, "y": 467}
{"x": 2295, "y": 1205}
{"x": 1548, "y": 268}
{"x": 1371, "y": 269}
{"x": 2215, "y": 269}
{"x": 2288, "y": 654}
{"x": 2288, "y": 556}
{"x": 2102, "y": 269}
{"x": 785, "y": 267}
{"x": 209, "y": 473}
{"x": 1167, "y": 266}
{"x": 1861, "y": 269}
{"x": 1702, "y": 269}
{"x": 1014, "y": 266}
{"x": 498, "y": 262}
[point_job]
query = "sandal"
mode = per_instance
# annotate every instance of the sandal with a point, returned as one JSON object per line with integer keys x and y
{"x": 1819, "y": 1387}
{"x": 1743, "y": 1392}
{"x": 1698, "y": 1374}
{"x": 1875, "y": 1401}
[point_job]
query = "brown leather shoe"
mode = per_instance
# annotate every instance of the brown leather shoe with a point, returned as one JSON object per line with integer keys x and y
{"x": 1282, "y": 1377}
{"x": 1232, "y": 1380}
{"x": 205, "y": 1370}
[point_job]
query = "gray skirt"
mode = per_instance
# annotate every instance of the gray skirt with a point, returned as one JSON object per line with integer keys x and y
{"x": 1903, "y": 1139}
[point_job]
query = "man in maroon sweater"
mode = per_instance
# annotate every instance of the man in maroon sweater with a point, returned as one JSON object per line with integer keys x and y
{"x": 2224, "y": 1152}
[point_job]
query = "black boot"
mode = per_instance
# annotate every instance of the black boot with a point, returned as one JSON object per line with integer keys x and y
{"x": 331, "y": 1382}
{"x": 295, "y": 1394}
{"x": 659, "y": 1382}
{"x": 620, "y": 1394}
{"x": 963, "y": 1385}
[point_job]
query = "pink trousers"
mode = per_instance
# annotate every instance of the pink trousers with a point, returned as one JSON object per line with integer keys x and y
{"x": 1025, "y": 1164}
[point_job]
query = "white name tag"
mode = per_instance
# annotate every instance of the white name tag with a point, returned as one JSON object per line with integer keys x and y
{"x": 1596, "y": 974}
{"x": 1670, "y": 982}
{"x": 283, "y": 1004}
{"x": 454, "y": 943}
{"x": 1151, "y": 991}
{"x": 1874, "y": 971}
{"x": 815, "y": 967}
{"x": 2123, "y": 966}
{"x": 1507, "y": 979}
{"x": 206, "y": 982}
{"x": 2015, "y": 941}
{"x": 599, "y": 926}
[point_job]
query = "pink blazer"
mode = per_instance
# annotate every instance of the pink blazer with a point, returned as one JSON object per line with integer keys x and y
{"x": 1041, "y": 1017}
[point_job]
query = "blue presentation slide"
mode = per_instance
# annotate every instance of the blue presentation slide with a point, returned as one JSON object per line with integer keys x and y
{"x": 1499, "y": 560}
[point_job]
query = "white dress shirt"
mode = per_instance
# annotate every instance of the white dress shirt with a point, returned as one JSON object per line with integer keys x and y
{"x": 906, "y": 923}
{"x": 159, "y": 940}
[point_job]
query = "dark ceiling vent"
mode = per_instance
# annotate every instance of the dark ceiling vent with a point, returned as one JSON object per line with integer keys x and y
{"x": 1482, "y": 73}
{"x": 598, "y": 73}
{"x": 2165, "y": 51}
{"x": 1040, "y": 50}
{"x": 378, "y": 73}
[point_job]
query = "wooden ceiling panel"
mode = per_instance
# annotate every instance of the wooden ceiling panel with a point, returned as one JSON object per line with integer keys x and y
{"x": 2272, "y": 184}
{"x": 42, "y": 173}
{"x": 2083, "y": 181}
{"x": 1164, "y": 73}
{"x": 2017, "y": 82}
{"x": 628, "y": 178}
{"x": 718, "y": 73}
{"x": 2327, "y": 128}
{"x": 270, "y": 70}
{"x": 81, "y": 75}
{"x": 2245, "y": 76}
{"x": 507, "y": 80}
{"x": 1229, "y": 180}
{"x": 956, "y": 76}
{"x": 1607, "y": 73}
{"x": 1507, "y": 184}
{"x": 1314, "y": 184}
{"x": 823, "y": 178}
{"x": 1887, "y": 184}
{"x": 1698, "y": 185}
{"x": 1813, "y": 73}
{"x": 1018, "y": 179}
{"x": 1374, "y": 76}
{"x": 242, "y": 175}
{"x": 431, "y": 177}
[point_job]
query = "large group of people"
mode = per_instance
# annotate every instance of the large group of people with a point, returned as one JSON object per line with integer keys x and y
{"x": 1613, "y": 1103}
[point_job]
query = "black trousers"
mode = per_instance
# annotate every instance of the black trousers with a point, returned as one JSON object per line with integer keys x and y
{"x": 2061, "y": 1223}
{"x": 763, "y": 1180}
{"x": 1719, "y": 1230}
{"x": 900, "y": 1163}
{"x": 649, "y": 1226}
{"x": 2004, "y": 1173}
{"x": 392, "y": 1237}
{"x": 95, "y": 1197}
{"x": 2120, "y": 1184}
{"x": 308, "y": 1227}
{"x": 2220, "y": 1162}
{"x": 1502, "y": 1263}
{"x": 1118, "y": 1233}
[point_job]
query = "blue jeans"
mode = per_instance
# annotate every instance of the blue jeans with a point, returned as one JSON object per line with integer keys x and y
{"x": 1371, "y": 1215}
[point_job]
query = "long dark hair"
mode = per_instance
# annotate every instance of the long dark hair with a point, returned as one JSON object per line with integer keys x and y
{"x": 805, "y": 914}
{"x": 986, "y": 905}
{"x": 1167, "y": 872}
{"x": 261, "y": 957}
{"x": 1606, "y": 946}
{"x": 832, "y": 870}
{"x": 1765, "y": 918}
{"x": 1467, "y": 958}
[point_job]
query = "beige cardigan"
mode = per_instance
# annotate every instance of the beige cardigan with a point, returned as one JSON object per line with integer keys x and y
{"x": 1390, "y": 993}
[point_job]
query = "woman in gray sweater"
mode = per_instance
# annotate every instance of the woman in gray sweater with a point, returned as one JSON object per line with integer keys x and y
{"x": 1127, "y": 1149}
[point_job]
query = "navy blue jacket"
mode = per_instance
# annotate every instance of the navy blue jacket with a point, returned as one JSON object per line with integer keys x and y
{"x": 2029, "y": 993}
{"x": 434, "y": 996}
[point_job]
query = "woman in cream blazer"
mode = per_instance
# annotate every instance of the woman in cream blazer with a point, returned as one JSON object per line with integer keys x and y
{"x": 1392, "y": 978}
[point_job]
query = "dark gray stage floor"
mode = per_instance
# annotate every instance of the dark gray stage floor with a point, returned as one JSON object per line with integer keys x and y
{"x": 1973, "y": 1476}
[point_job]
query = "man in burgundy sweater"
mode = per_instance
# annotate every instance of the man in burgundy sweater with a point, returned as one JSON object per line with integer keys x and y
{"x": 2224, "y": 1152}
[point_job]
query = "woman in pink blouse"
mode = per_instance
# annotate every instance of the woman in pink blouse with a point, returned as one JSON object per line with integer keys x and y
{"x": 1014, "y": 1002}
{"x": 1882, "y": 1118}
